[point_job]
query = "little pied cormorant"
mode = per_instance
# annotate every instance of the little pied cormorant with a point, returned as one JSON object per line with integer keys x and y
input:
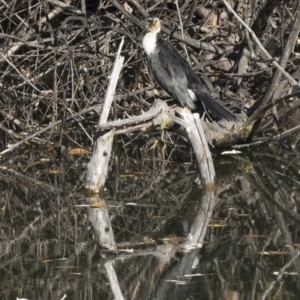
{"x": 175, "y": 75}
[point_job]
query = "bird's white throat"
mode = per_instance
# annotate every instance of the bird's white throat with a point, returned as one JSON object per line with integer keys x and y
{"x": 149, "y": 42}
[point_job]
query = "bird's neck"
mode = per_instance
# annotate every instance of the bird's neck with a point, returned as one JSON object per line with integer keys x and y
{"x": 149, "y": 42}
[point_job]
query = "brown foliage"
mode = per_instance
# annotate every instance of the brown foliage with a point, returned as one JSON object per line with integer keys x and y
{"x": 56, "y": 58}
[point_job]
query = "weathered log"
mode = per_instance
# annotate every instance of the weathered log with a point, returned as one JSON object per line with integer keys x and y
{"x": 98, "y": 165}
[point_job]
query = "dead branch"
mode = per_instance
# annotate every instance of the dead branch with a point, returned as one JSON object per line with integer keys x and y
{"x": 262, "y": 48}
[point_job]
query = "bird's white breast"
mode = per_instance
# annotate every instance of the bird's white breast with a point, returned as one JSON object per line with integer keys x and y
{"x": 149, "y": 42}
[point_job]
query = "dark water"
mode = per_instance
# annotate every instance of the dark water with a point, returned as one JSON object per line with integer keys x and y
{"x": 48, "y": 248}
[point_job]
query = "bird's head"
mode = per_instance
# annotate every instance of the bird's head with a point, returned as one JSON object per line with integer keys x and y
{"x": 153, "y": 25}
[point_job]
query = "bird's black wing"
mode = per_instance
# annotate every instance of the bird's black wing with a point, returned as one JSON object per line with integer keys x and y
{"x": 174, "y": 74}
{"x": 167, "y": 69}
{"x": 217, "y": 110}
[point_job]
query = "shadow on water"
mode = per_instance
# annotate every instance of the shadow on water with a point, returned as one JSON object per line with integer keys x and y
{"x": 47, "y": 246}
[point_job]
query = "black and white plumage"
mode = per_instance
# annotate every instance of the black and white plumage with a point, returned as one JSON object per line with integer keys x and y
{"x": 175, "y": 75}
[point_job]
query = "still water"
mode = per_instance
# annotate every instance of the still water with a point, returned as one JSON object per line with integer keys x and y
{"x": 249, "y": 231}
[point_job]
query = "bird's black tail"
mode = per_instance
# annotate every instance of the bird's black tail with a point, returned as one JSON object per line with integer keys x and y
{"x": 215, "y": 109}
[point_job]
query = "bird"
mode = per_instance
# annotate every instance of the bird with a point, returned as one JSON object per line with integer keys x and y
{"x": 174, "y": 74}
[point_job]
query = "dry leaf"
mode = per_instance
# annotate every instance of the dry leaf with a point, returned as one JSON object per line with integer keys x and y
{"x": 78, "y": 151}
